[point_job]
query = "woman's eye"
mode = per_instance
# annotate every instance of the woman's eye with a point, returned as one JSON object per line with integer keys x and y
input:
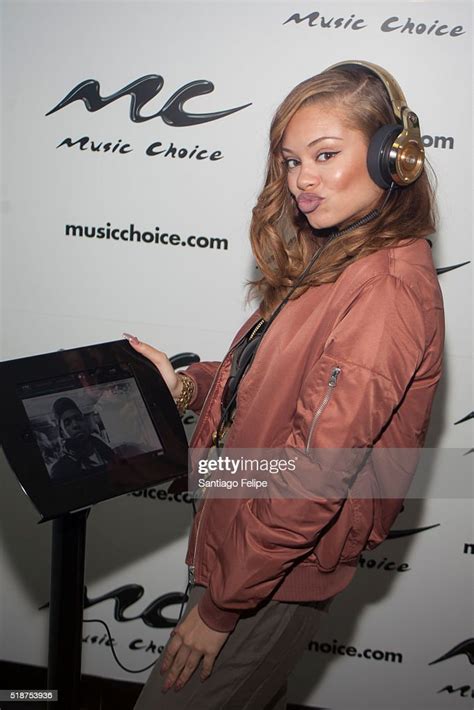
{"x": 290, "y": 163}
{"x": 326, "y": 155}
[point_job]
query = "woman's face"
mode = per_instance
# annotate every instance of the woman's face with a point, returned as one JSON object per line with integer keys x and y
{"x": 326, "y": 163}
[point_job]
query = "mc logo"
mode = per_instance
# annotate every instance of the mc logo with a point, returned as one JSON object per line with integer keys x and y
{"x": 128, "y": 594}
{"x": 141, "y": 91}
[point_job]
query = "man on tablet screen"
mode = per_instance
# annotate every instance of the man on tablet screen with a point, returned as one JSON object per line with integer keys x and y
{"x": 82, "y": 451}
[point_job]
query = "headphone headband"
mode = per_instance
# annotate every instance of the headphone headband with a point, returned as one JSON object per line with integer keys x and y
{"x": 397, "y": 97}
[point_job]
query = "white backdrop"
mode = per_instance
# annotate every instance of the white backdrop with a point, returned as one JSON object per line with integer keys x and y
{"x": 411, "y": 601}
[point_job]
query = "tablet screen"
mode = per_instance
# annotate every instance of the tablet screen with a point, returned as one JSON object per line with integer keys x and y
{"x": 83, "y": 421}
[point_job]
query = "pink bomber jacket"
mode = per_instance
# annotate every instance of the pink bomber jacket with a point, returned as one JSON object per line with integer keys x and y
{"x": 351, "y": 365}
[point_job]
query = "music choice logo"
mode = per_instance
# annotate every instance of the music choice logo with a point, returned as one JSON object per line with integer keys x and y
{"x": 141, "y": 92}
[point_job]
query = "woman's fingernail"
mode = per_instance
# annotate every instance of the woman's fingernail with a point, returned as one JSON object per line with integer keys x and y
{"x": 132, "y": 338}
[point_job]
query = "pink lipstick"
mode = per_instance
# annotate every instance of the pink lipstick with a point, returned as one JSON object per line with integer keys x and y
{"x": 308, "y": 202}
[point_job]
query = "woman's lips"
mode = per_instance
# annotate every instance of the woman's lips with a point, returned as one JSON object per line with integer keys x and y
{"x": 308, "y": 202}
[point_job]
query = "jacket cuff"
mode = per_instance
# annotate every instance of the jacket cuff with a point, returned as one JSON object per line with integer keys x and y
{"x": 215, "y": 617}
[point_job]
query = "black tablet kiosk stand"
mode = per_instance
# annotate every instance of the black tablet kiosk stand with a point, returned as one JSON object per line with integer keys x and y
{"x": 66, "y": 608}
{"x": 64, "y": 425}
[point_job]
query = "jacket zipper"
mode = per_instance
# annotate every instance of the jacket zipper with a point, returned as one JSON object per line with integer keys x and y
{"x": 330, "y": 388}
{"x": 191, "y": 568}
{"x": 255, "y": 330}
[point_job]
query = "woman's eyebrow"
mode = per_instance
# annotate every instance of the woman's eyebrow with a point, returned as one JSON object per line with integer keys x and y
{"x": 310, "y": 145}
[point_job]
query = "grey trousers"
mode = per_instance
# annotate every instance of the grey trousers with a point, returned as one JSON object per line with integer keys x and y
{"x": 251, "y": 671}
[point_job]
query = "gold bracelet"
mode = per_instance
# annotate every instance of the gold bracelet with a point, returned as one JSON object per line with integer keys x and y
{"x": 182, "y": 402}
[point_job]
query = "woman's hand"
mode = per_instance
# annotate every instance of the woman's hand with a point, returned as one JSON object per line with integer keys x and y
{"x": 161, "y": 362}
{"x": 190, "y": 641}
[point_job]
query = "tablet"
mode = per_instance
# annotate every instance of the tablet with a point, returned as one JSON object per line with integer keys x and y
{"x": 83, "y": 425}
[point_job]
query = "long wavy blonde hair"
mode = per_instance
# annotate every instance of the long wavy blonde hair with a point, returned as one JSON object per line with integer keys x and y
{"x": 281, "y": 237}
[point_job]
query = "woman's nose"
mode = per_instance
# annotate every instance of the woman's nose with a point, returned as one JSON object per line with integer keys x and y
{"x": 308, "y": 176}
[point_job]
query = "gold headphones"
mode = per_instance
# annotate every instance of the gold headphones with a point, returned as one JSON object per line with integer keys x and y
{"x": 396, "y": 152}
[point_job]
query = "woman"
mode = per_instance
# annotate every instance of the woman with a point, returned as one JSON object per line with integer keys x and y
{"x": 343, "y": 355}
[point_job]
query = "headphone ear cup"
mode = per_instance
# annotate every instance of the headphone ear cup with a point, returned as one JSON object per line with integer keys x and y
{"x": 378, "y": 154}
